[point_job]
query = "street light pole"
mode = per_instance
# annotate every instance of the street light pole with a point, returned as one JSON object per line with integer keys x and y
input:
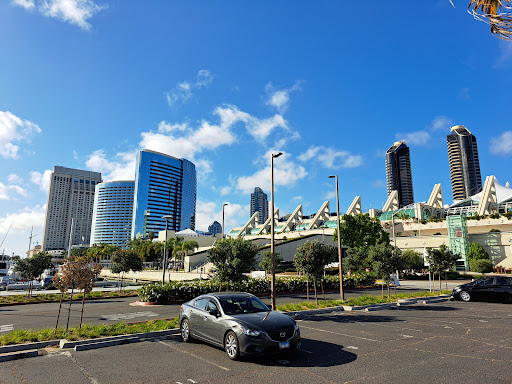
{"x": 342, "y": 293}
{"x": 272, "y": 253}
{"x": 223, "y": 205}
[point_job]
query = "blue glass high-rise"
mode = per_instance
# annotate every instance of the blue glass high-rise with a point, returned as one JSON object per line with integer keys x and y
{"x": 164, "y": 186}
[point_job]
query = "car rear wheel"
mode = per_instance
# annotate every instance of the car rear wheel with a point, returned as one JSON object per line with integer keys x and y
{"x": 231, "y": 345}
{"x": 185, "y": 331}
{"x": 464, "y": 296}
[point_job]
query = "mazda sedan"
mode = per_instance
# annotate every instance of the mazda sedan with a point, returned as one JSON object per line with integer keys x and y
{"x": 495, "y": 288}
{"x": 239, "y": 323}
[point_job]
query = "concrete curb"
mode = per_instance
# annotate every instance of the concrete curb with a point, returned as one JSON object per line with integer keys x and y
{"x": 27, "y": 346}
{"x": 19, "y": 355}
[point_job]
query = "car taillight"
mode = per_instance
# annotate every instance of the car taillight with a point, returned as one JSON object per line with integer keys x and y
{"x": 181, "y": 307}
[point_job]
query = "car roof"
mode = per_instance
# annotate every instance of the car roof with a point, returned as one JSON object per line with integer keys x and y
{"x": 220, "y": 295}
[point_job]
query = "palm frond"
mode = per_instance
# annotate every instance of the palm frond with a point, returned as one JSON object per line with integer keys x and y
{"x": 496, "y": 13}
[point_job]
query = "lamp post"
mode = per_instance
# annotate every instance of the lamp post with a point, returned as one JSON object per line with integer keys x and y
{"x": 272, "y": 253}
{"x": 166, "y": 218}
{"x": 223, "y": 205}
{"x": 342, "y": 293}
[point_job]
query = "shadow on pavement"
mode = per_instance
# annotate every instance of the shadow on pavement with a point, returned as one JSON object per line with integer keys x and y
{"x": 424, "y": 308}
{"x": 314, "y": 353}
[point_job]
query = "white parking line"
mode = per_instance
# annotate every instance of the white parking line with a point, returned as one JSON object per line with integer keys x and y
{"x": 352, "y": 347}
{"x": 6, "y": 328}
{"x": 483, "y": 321}
{"x": 407, "y": 336}
{"x": 191, "y": 354}
{"x": 340, "y": 334}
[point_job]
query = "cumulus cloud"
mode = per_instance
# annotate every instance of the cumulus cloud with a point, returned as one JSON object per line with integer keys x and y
{"x": 7, "y": 192}
{"x": 418, "y": 137}
{"x": 14, "y": 179}
{"x": 41, "y": 179}
{"x": 14, "y": 130}
{"x": 71, "y": 11}
{"x": 280, "y": 98}
{"x": 502, "y": 145}
{"x": 123, "y": 169}
{"x": 166, "y": 127}
{"x": 286, "y": 173}
{"x": 207, "y": 213}
{"x": 23, "y": 219}
{"x": 331, "y": 158}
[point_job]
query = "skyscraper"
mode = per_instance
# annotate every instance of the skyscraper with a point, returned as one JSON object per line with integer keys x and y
{"x": 259, "y": 203}
{"x": 164, "y": 186}
{"x": 464, "y": 163}
{"x": 112, "y": 215}
{"x": 398, "y": 172}
{"x": 214, "y": 228}
{"x": 70, "y": 198}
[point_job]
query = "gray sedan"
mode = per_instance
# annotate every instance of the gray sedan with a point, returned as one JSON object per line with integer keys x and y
{"x": 239, "y": 323}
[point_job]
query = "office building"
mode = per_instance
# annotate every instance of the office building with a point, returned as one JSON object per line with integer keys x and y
{"x": 214, "y": 228}
{"x": 259, "y": 203}
{"x": 70, "y": 200}
{"x": 164, "y": 186}
{"x": 113, "y": 212}
{"x": 464, "y": 163}
{"x": 398, "y": 172}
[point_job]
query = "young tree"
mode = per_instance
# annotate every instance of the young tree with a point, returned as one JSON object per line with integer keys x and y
{"x": 440, "y": 260}
{"x": 476, "y": 252}
{"x": 412, "y": 260}
{"x": 385, "y": 261}
{"x": 124, "y": 261}
{"x": 31, "y": 268}
{"x": 231, "y": 259}
{"x": 266, "y": 261}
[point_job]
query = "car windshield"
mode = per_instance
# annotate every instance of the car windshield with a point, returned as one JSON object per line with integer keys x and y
{"x": 237, "y": 305}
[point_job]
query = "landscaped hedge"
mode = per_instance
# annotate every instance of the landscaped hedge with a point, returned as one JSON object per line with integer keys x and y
{"x": 187, "y": 290}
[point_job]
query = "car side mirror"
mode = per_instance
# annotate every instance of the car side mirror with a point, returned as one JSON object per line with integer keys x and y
{"x": 214, "y": 312}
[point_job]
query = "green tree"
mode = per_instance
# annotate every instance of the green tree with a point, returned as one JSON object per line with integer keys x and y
{"x": 266, "y": 261}
{"x": 311, "y": 258}
{"x": 31, "y": 268}
{"x": 124, "y": 261}
{"x": 412, "y": 260}
{"x": 440, "y": 260}
{"x": 360, "y": 232}
{"x": 385, "y": 260}
{"x": 231, "y": 259}
{"x": 476, "y": 252}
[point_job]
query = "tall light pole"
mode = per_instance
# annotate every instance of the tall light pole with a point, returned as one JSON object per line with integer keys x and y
{"x": 342, "y": 294}
{"x": 223, "y": 205}
{"x": 272, "y": 253}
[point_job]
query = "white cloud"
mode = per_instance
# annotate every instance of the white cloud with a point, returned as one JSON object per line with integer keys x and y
{"x": 225, "y": 190}
{"x": 14, "y": 130}
{"x": 280, "y": 98}
{"x": 72, "y": 11}
{"x": 23, "y": 219}
{"x": 7, "y": 192}
{"x": 207, "y": 213}
{"x": 286, "y": 173}
{"x": 27, "y": 4}
{"x": 504, "y": 56}
{"x": 14, "y": 179}
{"x": 442, "y": 122}
{"x": 113, "y": 170}
{"x": 204, "y": 78}
{"x": 331, "y": 158}
{"x": 502, "y": 145}
{"x": 166, "y": 127}
{"x": 41, "y": 179}
{"x": 417, "y": 138}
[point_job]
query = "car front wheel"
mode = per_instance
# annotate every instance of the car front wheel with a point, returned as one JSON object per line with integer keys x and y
{"x": 231, "y": 345}
{"x": 185, "y": 331}
{"x": 465, "y": 296}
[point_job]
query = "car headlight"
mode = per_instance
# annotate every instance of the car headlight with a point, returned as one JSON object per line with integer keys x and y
{"x": 456, "y": 289}
{"x": 250, "y": 332}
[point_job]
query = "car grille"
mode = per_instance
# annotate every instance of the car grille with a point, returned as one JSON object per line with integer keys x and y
{"x": 276, "y": 335}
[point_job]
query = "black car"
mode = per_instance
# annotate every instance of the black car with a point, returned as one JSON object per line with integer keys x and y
{"x": 495, "y": 288}
{"x": 238, "y": 322}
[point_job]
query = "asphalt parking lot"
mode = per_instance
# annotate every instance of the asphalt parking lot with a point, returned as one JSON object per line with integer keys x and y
{"x": 448, "y": 342}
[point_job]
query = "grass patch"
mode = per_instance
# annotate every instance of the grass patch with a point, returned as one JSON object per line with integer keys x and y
{"x": 51, "y": 297}
{"x": 355, "y": 302}
{"x": 87, "y": 331}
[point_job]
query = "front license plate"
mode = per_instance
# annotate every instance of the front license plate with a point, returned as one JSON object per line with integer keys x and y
{"x": 284, "y": 345}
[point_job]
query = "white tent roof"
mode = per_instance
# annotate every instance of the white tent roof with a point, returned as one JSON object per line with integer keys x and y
{"x": 187, "y": 232}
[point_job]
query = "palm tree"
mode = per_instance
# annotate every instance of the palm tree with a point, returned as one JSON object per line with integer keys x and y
{"x": 182, "y": 249}
{"x": 497, "y": 13}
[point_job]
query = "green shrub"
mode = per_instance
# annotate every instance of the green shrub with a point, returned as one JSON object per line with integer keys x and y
{"x": 187, "y": 290}
{"x": 494, "y": 230}
{"x": 476, "y": 251}
{"x": 494, "y": 216}
{"x": 480, "y": 265}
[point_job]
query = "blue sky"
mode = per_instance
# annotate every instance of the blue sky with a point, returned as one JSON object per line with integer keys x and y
{"x": 87, "y": 83}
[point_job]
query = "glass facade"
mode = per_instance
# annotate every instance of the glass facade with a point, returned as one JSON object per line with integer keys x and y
{"x": 164, "y": 186}
{"x": 398, "y": 173}
{"x": 113, "y": 211}
{"x": 259, "y": 203}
